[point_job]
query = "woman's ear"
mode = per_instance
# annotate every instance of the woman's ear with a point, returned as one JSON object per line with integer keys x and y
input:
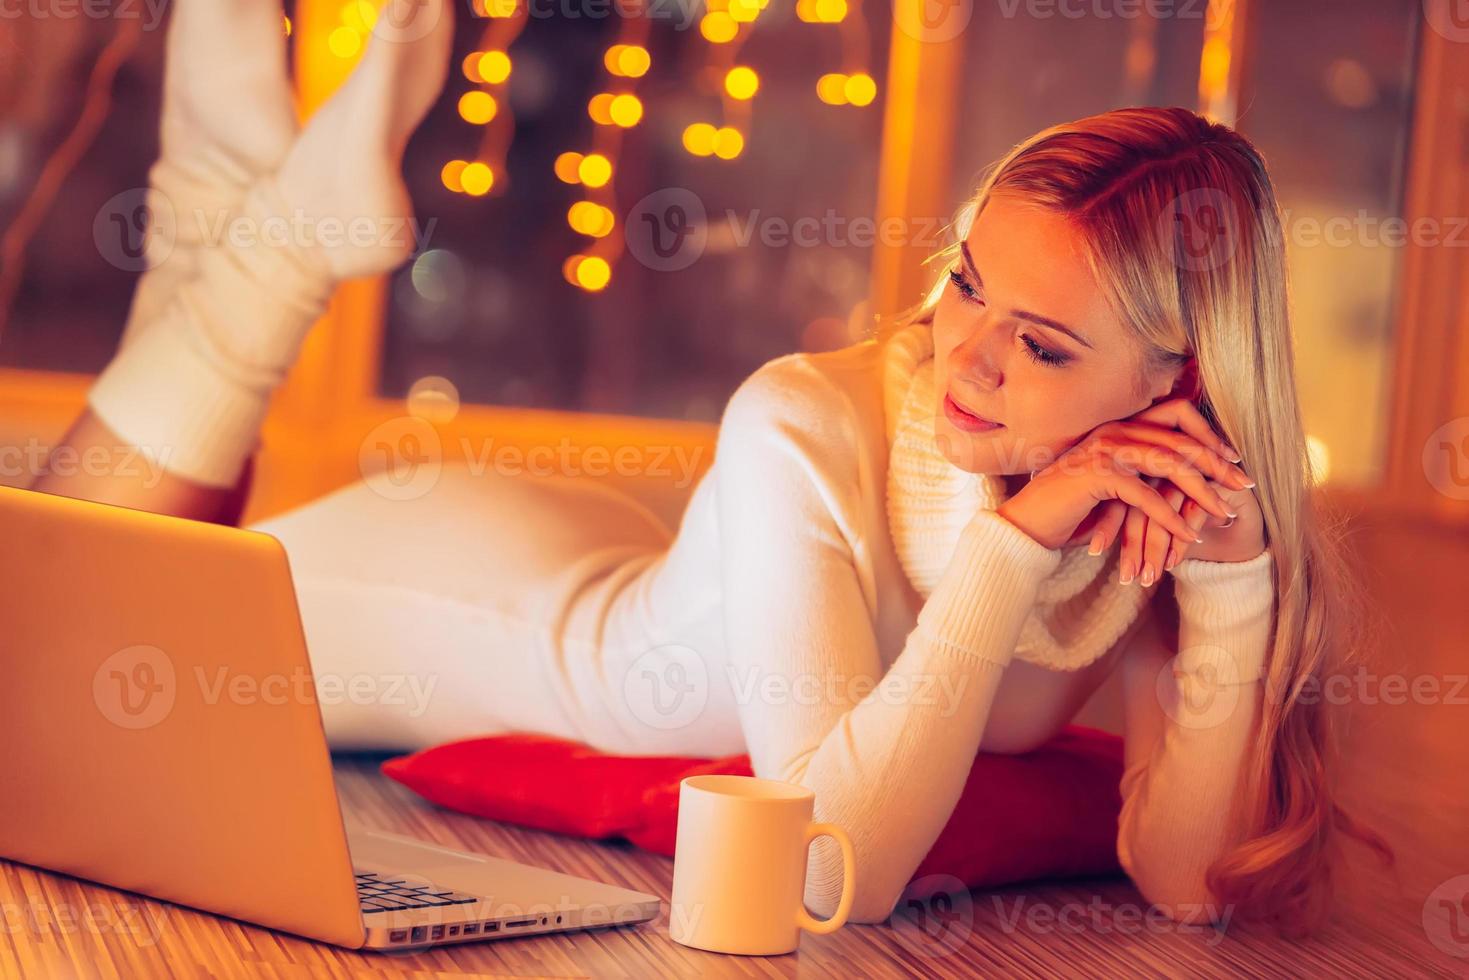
{"x": 1185, "y": 382}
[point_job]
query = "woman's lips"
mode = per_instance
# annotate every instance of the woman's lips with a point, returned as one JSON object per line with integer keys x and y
{"x": 967, "y": 421}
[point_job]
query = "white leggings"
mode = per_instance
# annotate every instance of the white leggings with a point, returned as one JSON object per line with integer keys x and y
{"x": 496, "y": 603}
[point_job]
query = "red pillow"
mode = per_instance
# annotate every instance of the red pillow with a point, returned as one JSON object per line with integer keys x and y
{"x": 1048, "y": 813}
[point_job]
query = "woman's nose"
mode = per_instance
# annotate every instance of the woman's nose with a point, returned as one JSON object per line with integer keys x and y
{"x": 977, "y": 356}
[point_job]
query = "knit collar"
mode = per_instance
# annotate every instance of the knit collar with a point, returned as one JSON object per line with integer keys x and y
{"x": 1080, "y": 609}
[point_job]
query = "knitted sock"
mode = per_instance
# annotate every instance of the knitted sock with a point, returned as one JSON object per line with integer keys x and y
{"x": 227, "y": 118}
{"x": 192, "y": 387}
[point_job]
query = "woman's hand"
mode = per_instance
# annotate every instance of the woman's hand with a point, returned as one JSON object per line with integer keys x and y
{"x": 1148, "y": 546}
{"x": 1088, "y": 490}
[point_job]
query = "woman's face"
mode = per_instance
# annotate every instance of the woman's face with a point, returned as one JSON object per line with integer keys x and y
{"x": 1024, "y": 337}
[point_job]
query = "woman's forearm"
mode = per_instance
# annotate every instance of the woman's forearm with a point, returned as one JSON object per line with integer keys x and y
{"x": 93, "y": 463}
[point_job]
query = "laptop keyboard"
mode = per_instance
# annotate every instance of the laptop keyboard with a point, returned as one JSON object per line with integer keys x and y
{"x": 388, "y": 894}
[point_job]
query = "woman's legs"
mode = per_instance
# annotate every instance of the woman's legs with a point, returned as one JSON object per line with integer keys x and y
{"x": 463, "y": 611}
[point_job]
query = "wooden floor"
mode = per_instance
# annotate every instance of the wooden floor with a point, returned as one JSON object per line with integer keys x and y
{"x": 1408, "y": 772}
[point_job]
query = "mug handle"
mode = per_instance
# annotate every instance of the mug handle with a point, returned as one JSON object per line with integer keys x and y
{"x": 849, "y": 881}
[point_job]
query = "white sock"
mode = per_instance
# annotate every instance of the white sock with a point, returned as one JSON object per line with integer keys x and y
{"x": 193, "y": 384}
{"x": 228, "y": 117}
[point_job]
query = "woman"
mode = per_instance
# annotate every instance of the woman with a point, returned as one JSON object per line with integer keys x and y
{"x": 884, "y": 570}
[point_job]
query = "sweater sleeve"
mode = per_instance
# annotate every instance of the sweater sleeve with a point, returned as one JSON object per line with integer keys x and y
{"x": 1190, "y": 721}
{"x": 886, "y": 752}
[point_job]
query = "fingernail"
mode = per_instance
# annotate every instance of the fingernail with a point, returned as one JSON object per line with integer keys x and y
{"x": 1232, "y": 454}
{"x": 1147, "y": 574}
{"x": 1126, "y": 575}
{"x": 1250, "y": 485}
{"x": 1095, "y": 548}
{"x": 1230, "y": 523}
{"x": 1172, "y": 560}
{"x": 1198, "y": 540}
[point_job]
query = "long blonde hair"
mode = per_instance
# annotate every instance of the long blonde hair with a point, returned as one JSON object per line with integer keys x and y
{"x": 1142, "y": 186}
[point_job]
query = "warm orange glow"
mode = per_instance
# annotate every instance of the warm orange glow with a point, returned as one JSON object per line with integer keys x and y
{"x": 477, "y": 107}
{"x": 860, "y": 89}
{"x": 567, "y": 165}
{"x": 625, "y": 109}
{"x": 494, "y": 67}
{"x": 451, "y": 174}
{"x": 477, "y": 179}
{"x": 832, "y": 88}
{"x": 741, "y": 82}
{"x": 627, "y": 60}
{"x": 718, "y": 27}
{"x": 698, "y": 139}
{"x": 728, "y": 142}
{"x": 344, "y": 42}
{"x": 599, "y": 107}
{"x": 594, "y": 170}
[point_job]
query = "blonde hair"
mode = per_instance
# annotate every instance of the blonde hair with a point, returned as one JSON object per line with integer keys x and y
{"x": 1138, "y": 184}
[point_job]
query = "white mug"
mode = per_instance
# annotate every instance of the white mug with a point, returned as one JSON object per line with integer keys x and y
{"x": 739, "y": 866}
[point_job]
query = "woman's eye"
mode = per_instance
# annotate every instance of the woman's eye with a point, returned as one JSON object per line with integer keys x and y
{"x": 968, "y": 292}
{"x": 1041, "y": 355}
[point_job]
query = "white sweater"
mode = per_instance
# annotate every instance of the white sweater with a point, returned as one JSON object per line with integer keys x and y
{"x": 812, "y": 587}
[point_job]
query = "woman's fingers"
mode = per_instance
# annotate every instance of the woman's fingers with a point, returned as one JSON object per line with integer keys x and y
{"x": 1158, "y": 541}
{"x": 1155, "y": 460}
{"x": 1108, "y": 526}
{"x": 1130, "y": 559}
{"x": 1197, "y": 517}
{"x": 1129, "y": 488}
{"x": 1198, "y": 454}
{"x": 1180, "y": 413}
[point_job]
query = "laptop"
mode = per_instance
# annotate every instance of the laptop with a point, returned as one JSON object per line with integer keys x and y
{"x": 163, "y": 736}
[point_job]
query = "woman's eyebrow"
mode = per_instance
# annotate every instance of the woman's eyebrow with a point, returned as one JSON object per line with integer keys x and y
{"x": 1044, "y": 321}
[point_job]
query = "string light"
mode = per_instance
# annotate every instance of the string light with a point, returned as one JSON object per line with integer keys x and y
{"x": 616, "y": 107}
{"x": 741, "y": 82}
